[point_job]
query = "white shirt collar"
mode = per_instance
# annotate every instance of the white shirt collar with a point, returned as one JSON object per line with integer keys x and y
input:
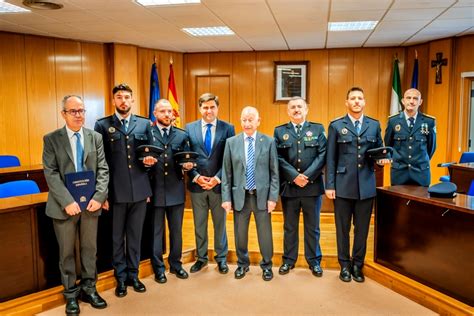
{"x": 301, "y": 124}
{"x": 361, "y": 119}
{"x": 254, "y": 136}
{"x": 120, "y": 118}
{"x": 70, "y": 133}
{"x": 204, "y": 123}
{"x": 407, "y": 117}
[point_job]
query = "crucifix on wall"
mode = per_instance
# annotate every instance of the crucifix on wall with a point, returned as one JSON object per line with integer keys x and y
{"x": 438, "y": 63}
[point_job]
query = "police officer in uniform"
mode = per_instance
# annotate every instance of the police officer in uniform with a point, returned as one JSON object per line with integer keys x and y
{"x": 351, "y": 180}
{"x": 129, "y": 187}
{"x": 167, "y": 178}
{"x": 301, "y": 149}
{"x": 412, "y": 135}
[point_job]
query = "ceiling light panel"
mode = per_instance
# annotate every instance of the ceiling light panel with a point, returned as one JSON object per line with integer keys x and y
{"x": 10, "y": 8}
{"x": 166, "y": 2}
{"x": 352, "y": 26}
{"x": 208, "y": 31}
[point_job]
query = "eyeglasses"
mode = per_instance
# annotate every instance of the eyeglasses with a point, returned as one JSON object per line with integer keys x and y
{"x": 81, "y": 112}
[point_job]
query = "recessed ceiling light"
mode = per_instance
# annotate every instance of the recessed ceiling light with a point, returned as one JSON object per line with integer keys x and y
{"x": 165, "y": 2}
{"x": 10, "y": 8}
{"x": 208, "y": 31}
{"x": 43, "y": 4}
{"x": 352, "y": 26}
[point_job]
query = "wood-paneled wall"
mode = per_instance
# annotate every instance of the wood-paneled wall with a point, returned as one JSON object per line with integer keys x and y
{"x": 36, "y": 72}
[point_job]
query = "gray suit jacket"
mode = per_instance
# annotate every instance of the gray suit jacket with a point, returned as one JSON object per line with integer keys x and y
{"x": 58, "y": 160}
{"x": 266, "y": 171}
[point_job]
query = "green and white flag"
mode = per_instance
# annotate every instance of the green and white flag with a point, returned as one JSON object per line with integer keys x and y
{"x": 395, "y": 102}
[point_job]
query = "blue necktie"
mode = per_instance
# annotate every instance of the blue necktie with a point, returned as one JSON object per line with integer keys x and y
{"x": 357, "y": 126}
{"x": 412, "y": 122}
{"x": 165, "y": 134}
{"x": 79, "y": 153}
{"x": 124, "y": 122}
{"x": 208, "y": 139}
{"x": 250, "y": 173}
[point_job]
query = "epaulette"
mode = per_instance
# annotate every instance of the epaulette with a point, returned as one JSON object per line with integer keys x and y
{"x": 393, "y": 115}
{"x": 371, "y": 118}
{"x": 146, "y": 118}
{"x": 104, "y": 118}
{"x": 338, "y": 118}
{"x": 176, "y": 127}
{"x": 282, "y": 125}
{"x": 432, "y": 117}
{"x": 315, "y": 123}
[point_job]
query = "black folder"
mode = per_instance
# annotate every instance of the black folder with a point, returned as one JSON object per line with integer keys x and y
{"x": 81, "y": 185}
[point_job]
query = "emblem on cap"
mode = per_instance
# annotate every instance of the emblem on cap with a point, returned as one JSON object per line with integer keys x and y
{"x": 188, "y": 156}
{"x": 397, "y": 127}
{"x": 286, "y": 136}
{"x": 82, "y": 199}
{"x": 111, "y": 129}
{"x": 147, "y": 149}
{"x": 344, "y": 131}
{"x": 309, "y": 133}
{"x": 384, "y": 151}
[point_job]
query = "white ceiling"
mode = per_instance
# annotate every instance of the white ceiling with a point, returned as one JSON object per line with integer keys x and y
{"x": 258, "y": 24}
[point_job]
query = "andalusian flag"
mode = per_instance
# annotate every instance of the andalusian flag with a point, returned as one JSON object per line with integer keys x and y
{"x": 173, "y": 96}
{"x": 396, "y": 100}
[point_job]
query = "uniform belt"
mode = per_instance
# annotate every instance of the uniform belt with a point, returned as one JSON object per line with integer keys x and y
{"x": 251, "y": 192}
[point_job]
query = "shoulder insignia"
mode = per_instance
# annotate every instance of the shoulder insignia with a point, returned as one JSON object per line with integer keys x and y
{"x": 103, "y": 118}
{"x": 282, "y": 125}
{"x": 314, "y": 123}
{"x": 430, "y": 116}
{"x": 370, "y": 118}
{"x": 338, "y": 118}
{"x": 394, "y": 115}
{"x": 179, "y": 128}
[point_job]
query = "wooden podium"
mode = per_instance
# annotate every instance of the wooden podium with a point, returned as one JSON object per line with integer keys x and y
{"x": 430, "y": 240}
{"x": 462, "y": 175}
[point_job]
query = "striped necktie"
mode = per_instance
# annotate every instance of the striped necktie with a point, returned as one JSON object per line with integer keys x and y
{"x": 412, "y": 122}
{"x": 357, "y": 126}
{"x": 250, "y": 171}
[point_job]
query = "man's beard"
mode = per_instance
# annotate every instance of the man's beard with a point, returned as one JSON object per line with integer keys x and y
{"x": 123, "y": 112}
{"x": 164, "y": 123}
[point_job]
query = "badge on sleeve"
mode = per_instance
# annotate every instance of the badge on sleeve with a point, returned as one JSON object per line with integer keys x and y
{"x": 286, "y": 136}
{"x": 344, "y": 131}
{"x": 398, "y": 127}
{"x": 111, "y": 129}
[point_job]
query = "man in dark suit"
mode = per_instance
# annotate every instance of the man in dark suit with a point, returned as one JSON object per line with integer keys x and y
{"x": 70, "y": 149}
{"x": 129, "y": 186}
{"x": 412, "y": 135}
{"x": 248, "y": 157}
{"x": 207, "y": 137}
{"x": 301, "y": 147}
{"x": 351, "y": 180}
{"x": 167, "y": 178}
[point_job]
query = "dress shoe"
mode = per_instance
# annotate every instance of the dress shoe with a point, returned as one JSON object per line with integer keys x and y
{"x": 160, "y": 277}
{"x": 267, "y": 274}
{"x": 94, "y": 299}
{"x": 72, "y": 306}
{"x": 240, "y": 272}
{"x": 138, "y": 286}
{"x": 345, "y": 274}
{"x": 121, "y": 289}
{"x": 223, "y": 267}
{"x": 285, "y": 268}
{"x": 198, "y": 266}
{"x": 316, "y": 270}
{"x": 357, "y": 274}
{"x": 180, "y": 273}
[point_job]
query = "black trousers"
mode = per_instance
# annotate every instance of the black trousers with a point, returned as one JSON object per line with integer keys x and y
{"x": 358, "y": 211}
{"x": 174, "y": 216}
{"x": 127, "y": 228}
{"x": 310, "y": 205}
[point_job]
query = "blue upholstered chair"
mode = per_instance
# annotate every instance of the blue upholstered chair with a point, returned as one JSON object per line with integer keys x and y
{"x": 9, "y": 161}
{"x": 471, "y": 189}
{"x": 17, "y": 188}
{"x": 467, "y": 156}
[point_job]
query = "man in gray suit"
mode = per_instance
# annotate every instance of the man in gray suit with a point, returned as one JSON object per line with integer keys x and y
{"x": 207, "y": 137}
{"x": 249, "y": 156}
{"x": 70, "y": 149}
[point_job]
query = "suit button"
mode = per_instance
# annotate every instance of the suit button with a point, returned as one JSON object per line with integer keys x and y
{"x": 299, "y": 160}
{"x": 128, "y": 156}
{"x": 299, "y": 150}
{"x": 126, "y": 137}
{"x": 166, "y": 146}
{"x": 129, "y": 166}
{"x": 299, "y": 142}
{"x": 358, "y": 138}
{"x": 409, "y": 147}
{"x": 298, "y": 169}
{"x": 359, "y": 156}
{"x": 166, "y": 155}
{"x": 128, "y": 146}
{"x": 358, "y": 147}
{"x": 166, "y": 173}
{"x": 409, "y": 156}
{"x": 409, "y": 165}
{"x": 166, "y": 165}
{"x": 411, "y": 138}
{"x": 111, "y": 140}
{"x": 359, "y": 165}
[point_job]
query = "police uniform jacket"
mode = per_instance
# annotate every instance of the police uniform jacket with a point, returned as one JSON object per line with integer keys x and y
{"x": 167, "y": 177}
{"x": 305, "y": 154}
{"x": 128, "y": 177}
{"x": 349, "y": 171}
{"x": 413, "y": 148}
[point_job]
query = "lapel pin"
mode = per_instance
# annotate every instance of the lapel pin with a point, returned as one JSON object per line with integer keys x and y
{"x": 286, "y": 136}
{"x": 344, "y": 131}
{"x": 397, "y": 127}
{"x": 111, "y": 129}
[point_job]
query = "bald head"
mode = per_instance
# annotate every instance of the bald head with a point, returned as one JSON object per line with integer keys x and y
{"x": 412, "y": 101}
{"x": 250, "y": 120}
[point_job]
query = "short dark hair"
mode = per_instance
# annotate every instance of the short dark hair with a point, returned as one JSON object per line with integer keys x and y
{"x": 353, "y": 89}
{"x": 121, "y": 87}
{"x": 208, "y": 97}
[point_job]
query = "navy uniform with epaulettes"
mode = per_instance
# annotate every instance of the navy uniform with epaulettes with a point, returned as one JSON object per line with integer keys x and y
{"x": 412, "y": 148}
{"x": 129, "y": 187}
{"x": 304, "y": 153}
{"x": 351, "y": 174}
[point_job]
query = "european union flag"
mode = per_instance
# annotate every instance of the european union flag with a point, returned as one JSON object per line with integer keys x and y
{"x": 154, "y": 91}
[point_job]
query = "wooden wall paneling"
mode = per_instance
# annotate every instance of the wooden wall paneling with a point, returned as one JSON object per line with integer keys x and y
{"x": 464, "y": 62}
{"x": 265, "y": 91}
{"x": 68, "y": 60}
{"x": 220, "y": 63}
{"x": 439, "y": 103}
{"x": 341, "y": 78}
{"x": 319, "y": 85}
{"x": 220, "y": 85}
{"x": 126, "y": 71}
{"x": 144, "y": 62}
{"x": 94, "y": 81}
{"x": 40, "y": 93}
{"x": 243, "y": 86}
{"x": 13, "y": 103}
{"x": 366, "y": 76}
{"x": 195, "y": 65}
{"x": 423, "y": 68}
{"x": 203, "y": 85}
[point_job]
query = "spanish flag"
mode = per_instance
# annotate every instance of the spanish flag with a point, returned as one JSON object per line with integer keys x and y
{"x": 173, "y": 96}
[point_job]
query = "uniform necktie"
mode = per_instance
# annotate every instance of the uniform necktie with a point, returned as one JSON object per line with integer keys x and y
{"x": 357, "y": 126}
{"x": 208, "y": 139}
{"x": 165, "y": 134}
{"x": 124, "y": 123}
{"x": 79, "y": 153}
{"x": 412, "y": 122}
{"x": 298, "y": 129}
{"x": 250, "y": 173}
